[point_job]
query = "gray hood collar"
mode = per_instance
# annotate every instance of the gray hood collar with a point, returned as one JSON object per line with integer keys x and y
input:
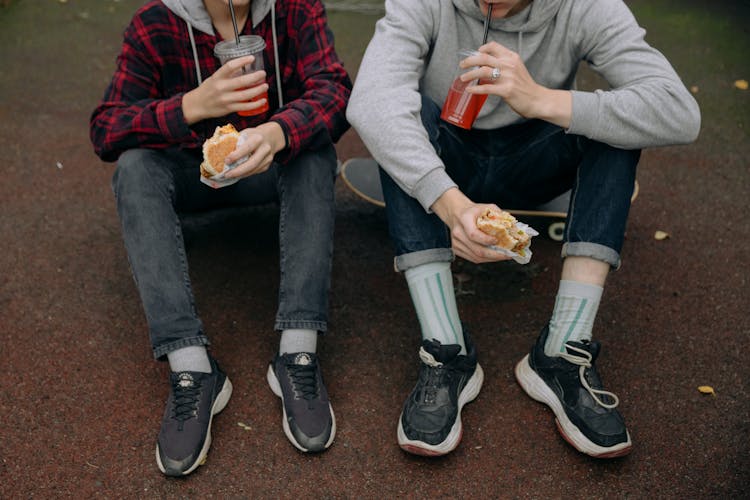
{"x": 195, "y": 14}
{"x": 533, "y": 18}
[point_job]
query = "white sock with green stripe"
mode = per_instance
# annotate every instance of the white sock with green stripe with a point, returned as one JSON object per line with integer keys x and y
{"x": 431, "y": 289}
{"x": 576, "y": 306}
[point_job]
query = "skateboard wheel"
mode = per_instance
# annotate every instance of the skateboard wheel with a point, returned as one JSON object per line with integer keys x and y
{"x": 556, "y": 231}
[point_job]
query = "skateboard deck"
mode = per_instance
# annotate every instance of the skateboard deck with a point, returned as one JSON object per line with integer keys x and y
{"x": 362, "y": 176}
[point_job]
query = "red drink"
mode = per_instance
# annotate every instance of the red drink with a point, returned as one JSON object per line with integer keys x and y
{"x": 247, "y": 45}
{"x": 461, "y": 108}
{"x": 256, "y": 111}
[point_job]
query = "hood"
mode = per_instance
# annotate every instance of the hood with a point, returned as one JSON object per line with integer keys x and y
{"x": 194, "y": 12}
{"x": 533, "y": 18}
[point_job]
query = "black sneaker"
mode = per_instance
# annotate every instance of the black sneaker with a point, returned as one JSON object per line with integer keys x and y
{"x": 185, "y": 434}
{"x": 585, "y": 413}
{"x": 430, "y": 422}
{"x": 308, "y": 420}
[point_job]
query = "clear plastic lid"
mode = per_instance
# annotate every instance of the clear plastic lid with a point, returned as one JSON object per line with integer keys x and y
{"x": 249, "y": 45}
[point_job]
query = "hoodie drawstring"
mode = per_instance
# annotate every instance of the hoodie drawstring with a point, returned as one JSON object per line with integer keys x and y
{"x": 276, "y": 54}
{"x": 195, "y": 53}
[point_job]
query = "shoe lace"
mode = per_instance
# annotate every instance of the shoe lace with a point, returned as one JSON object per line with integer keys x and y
{"x": 583, "y": 363}
{"x": 185, "y": 401}
{"x": 435, "y": 374}
{"x": 304, "y": 381}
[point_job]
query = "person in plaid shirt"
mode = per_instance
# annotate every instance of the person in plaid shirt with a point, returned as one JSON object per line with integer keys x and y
{"x": 167, "y": 96}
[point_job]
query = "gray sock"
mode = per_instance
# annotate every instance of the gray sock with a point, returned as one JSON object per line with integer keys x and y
{"x": 189, "y": 359}
{"x": 298, "y": 340}
{"x": 431, "y": 289}
{"x": 574, "y": 314}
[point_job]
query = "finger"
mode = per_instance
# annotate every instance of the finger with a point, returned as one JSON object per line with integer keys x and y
{"x": 472, "y": 255}
{"x": 248, "y": 105}
{"x": 235, "y": 65}
{"x": 477, "y": 60}
{"x": 248, "y": 93}
{"x": 493, "y": 49}
{"x": 258, "y": 162}
{"x": 245, "y": 168}
{"x": 247, "y": 144}
{"x": 251, "y": 79}
{"x": 475, "y": 73}
{"x": 492, "y": 255}
{"x": 481, "y": 238}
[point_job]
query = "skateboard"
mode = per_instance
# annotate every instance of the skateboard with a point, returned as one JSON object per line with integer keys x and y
{"x": 362, "y": 176}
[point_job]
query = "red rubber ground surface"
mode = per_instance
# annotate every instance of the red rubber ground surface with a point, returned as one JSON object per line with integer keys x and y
{"x": 81, "y": 398}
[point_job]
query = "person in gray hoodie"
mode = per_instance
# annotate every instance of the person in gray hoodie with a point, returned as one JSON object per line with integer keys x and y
{"x": 168, "y": 95}
{"x": 535, "y": 138}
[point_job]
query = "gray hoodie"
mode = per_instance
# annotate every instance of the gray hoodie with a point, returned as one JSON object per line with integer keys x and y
{"x": 415, "y": 50}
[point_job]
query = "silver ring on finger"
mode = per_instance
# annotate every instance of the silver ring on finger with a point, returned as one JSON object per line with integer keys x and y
{"x": 495, "y": 74}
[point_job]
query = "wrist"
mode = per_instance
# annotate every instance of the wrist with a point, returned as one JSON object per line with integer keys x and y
{"x": 554, "y": 106}
{"x": 191, "y": 107}
{"x": 275, "y": 135}
{"x": 449, "y": 204}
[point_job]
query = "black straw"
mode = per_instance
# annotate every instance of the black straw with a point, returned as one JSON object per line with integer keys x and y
{"x": 486, "y": 22}
{"x": 237, "y": 33}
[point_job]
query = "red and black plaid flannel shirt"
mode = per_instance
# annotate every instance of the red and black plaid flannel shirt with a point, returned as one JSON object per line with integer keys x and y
{"x": 142, "y": 106}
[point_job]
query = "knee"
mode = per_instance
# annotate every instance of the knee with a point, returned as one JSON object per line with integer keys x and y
{"x": 134, "y": 171}
{"x": 316, "y": 170}
{"x": 604, "y": 153}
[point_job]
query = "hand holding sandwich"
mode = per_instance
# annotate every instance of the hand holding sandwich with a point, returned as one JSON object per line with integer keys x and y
{"x": 460, "y": 214}
{"x": 229, "y": 155}
{"x": 259, "y": 144}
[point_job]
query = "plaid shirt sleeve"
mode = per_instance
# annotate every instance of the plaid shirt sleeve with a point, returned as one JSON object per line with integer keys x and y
{"x": 314, "y": 113}
{"x": 134, "y": 112}
{"x": 142, "y": 106}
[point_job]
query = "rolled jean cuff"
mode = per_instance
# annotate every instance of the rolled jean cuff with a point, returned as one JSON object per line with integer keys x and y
{"x": 162, "y": 350}
{"x": 408, "y": 260}
{"x": 593, "y": 251}
{"x": 301, "y": 324}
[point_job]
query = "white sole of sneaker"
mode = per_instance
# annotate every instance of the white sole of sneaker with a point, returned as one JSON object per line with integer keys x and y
{"x": 538, "y": 390}
{"x": 469, "y": 393}
{"x": 219, "y": 404}
{"x": 273, "y": 382}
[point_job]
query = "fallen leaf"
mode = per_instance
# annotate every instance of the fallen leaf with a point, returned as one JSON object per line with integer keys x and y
{"x": 706, "y": 389}
{"x": 741, "y": 84}
{"x": 694, "y": 89}
{"x": 244, "y": 426}
{"x": 661, "y": 235}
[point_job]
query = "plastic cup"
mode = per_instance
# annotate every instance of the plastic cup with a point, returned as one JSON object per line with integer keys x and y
{"x": 250, "y": 45}
{"x": 461, "y": 108}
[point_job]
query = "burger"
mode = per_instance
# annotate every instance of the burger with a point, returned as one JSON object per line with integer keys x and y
{"x": 217, "y": 148}
{"x": 504, "y": 227}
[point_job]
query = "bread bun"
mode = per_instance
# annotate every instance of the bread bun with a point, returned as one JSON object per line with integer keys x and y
{"x": 503, "y": 226}
{"x": 216, "y": 149}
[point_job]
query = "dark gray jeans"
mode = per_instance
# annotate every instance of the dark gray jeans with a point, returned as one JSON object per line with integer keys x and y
{"x": 152, "y": 187}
